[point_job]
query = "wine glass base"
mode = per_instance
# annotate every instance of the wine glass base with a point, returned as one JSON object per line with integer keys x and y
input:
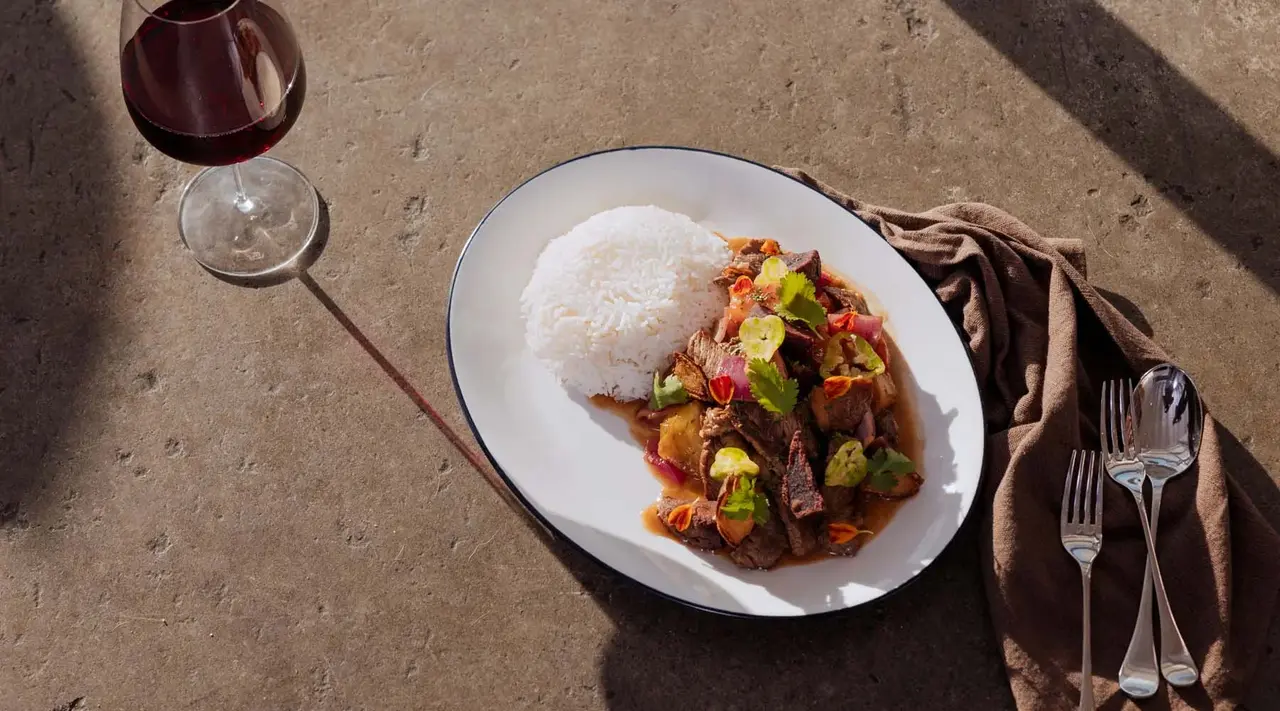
{"x": 266, "y": 236}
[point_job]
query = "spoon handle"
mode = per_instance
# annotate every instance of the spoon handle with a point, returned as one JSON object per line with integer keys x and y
{"x": 1139, "y": 676}
{"x": 1176, "y": 664}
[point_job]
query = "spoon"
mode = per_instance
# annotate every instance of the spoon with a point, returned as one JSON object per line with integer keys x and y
{"x": 1168, "y": 421}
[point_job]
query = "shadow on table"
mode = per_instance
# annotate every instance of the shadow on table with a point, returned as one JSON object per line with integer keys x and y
{"x": 56, "y": 191}
{"x": 1133, "y": 100}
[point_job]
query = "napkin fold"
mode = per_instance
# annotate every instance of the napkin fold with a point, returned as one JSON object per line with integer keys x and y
{"x": 1042, "y": 340}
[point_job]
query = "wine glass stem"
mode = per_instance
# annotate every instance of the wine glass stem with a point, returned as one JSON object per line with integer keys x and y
{"x": 243, "y": 202}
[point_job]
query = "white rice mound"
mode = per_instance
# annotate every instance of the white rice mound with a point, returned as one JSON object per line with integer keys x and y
{"x": 613, "y": 298}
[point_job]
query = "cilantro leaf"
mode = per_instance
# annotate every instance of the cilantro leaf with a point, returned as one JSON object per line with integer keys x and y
{"x": 745, "y": 502}
{"x": 884, "y": 468}
{"x": 797, "y": 301}
{"x": 667, "y": 392}
{"x": 771, "y": 390}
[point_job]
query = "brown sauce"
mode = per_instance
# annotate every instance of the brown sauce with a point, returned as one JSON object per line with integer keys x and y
{"x": 878, "y": 512}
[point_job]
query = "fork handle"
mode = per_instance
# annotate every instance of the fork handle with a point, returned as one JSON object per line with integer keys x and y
{"x": 1176, "y": 664}
{"x": 1086, "y": 664}
{"x": 1139, "y": 676}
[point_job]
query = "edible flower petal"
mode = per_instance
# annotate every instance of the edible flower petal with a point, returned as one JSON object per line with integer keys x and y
{"x": 841, "y": 533}
{"x": 680, "y": 517}
{"x": 771, "y": 247}
{"x": 848, "y": 467}
{"x": 836, "y": 385}
{"x": 761, "y": 337}
{"x": 731, "y": 461}
{"x": 741, "y": 286}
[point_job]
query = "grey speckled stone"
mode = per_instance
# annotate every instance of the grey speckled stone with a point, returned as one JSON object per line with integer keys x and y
{"x": 212, "y": 499}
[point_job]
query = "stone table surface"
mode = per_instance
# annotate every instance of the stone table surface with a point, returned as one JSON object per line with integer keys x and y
{"x": 212, "y": 498}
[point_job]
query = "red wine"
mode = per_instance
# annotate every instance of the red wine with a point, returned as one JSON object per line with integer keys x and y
{"x": 213, "y": 82}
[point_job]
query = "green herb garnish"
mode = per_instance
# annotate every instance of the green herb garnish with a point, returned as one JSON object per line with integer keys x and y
{"x": 865, "y": 356}
{"x": 747, "y": 501}
{"x": 848, "y": 467}
{"x": 774, "y": 393}
{"x": 797, "y": 301}
{"x": 884, "y": 468}
{"x": 667, "y": 392}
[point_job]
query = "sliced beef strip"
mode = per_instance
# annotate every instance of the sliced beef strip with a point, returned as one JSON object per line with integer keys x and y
{"x": 716, "y": 421}
{"x": 843, "y": 414}
{"x": 747, "y": 265}
{"x": 769, "y": 434}
{"x": 807, "y": 263}
{"x": 848, "y": 300}
{"x": 691, "y": 376}
{"x": 844, "y": 505}
{"x": 802, "y": 535}
{"x": 764, "y": 546}
{"x": 701, "y": 533}
{"x": 799, "y": 493}
{"x": 706, "y": 353}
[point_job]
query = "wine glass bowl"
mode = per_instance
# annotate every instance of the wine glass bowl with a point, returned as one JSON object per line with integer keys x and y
{"x": 218, "y": 83}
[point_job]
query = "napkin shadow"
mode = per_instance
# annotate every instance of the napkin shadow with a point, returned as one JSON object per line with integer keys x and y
{"x": 57, "y": 192}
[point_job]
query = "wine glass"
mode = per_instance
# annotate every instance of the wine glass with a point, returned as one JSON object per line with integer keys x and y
{"x": 218, "y": 83}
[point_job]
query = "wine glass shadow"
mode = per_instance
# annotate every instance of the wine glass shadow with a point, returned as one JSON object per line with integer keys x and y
{"x": 58, "y": 190}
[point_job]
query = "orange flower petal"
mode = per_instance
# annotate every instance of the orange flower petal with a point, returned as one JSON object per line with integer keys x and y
{"x": 680, "y": 517}
{"x": 721, "y": 388}
{"x": 843, "y": 322}
{"x": 741, "y": 286}
{"x": 836, "y": 385}
{"x": 841, "y": 533}
{"x": 771, "y": 248}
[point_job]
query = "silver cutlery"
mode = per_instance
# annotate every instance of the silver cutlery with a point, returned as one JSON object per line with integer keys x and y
{"x": 1167, "y": 422}
{"x": 1082, "y": 537}
{"x": 1127, "y": 469}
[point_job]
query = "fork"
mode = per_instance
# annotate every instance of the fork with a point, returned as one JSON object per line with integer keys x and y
{"x": 1082, "y": 537}
{"x": 1115, "y": 430}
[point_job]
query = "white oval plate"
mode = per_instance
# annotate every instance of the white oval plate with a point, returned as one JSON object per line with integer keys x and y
{"x": 577, "y": 468}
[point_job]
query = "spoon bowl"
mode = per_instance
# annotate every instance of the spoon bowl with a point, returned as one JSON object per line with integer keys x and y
{"x": 1168, "y": 422}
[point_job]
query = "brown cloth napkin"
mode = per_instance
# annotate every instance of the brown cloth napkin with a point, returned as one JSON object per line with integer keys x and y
{"x": 1042, "y": 340}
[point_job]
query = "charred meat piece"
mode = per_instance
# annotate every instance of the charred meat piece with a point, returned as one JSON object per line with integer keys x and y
{"x": 716, "y": 421}
{"x": 845, "y": 413}
{"x": 847, "y": 300}
{"x": 699, "y": 525}
{"x": 807, "y": 263}
{"x": 905, "y": 486}
{"x": 691, "y": 376}
{"x": 754, "y": 245}
{"x": 764, "y": 546}
{"x": 799, "y": 494}
{"x": 802, "y": 536}
{"x": 770, "y": 434}
{"x": 747, "y": 265}
{"x": 887, "y": 427}
{"x": 706, "y": 353}
{"x": 844, "y": 508}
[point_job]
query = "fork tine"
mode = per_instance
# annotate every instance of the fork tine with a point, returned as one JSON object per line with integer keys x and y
{"x": 1097, "y": 507}
{"x": 1077, "y": 505}
{"x": 1125, "y": 421}
{"x": 1102, "y": 416}
{"x": 1089, "y": 469}
{"x": 1066, "y": 493}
